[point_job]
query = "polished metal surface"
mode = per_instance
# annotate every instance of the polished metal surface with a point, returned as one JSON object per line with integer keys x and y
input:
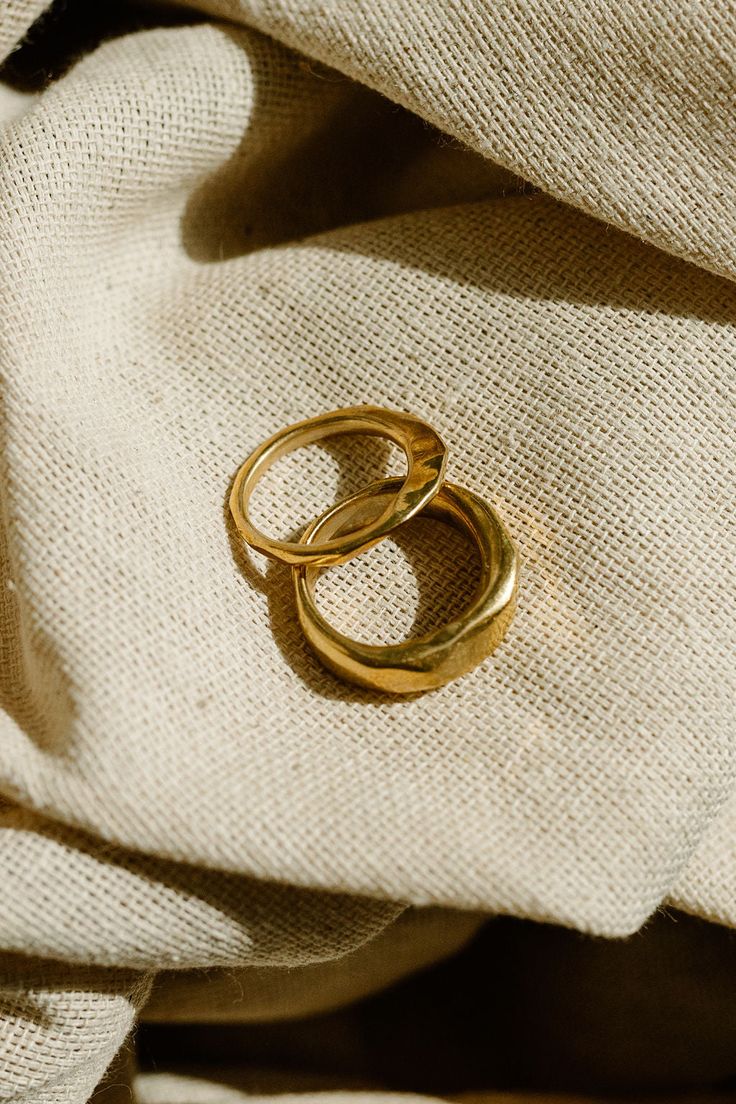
{"x": 450, "y": 651}
{"x": 426, "y": 457}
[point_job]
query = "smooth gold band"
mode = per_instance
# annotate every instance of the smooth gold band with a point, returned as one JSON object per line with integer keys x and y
{"x": 426, "y": 457}
{"x": 444, "y": 654}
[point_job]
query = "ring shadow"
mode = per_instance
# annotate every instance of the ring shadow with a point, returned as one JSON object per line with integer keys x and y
{"x": 444, "y": 582}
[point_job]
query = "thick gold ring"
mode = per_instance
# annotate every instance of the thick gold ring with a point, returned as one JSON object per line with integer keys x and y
{"x": 426, "y": 456}
{"x": 449, "y": 651}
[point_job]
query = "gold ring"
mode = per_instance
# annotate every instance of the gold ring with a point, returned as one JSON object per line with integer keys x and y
{"x": 426, "y": 457}
{"x": 449, "y": 651}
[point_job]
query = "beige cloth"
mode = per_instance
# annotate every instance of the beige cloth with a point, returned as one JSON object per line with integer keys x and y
{"x": 186, "y": 267}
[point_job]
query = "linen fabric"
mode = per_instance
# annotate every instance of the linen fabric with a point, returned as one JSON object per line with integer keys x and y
{"x": 207, "y": 234}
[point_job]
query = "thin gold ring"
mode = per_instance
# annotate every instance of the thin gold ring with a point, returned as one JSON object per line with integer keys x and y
{"x": 446, "y": 653}
{"x": 426, "y": 456}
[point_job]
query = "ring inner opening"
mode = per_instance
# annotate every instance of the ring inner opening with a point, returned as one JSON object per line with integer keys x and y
{"x": 302, "y": 484}
{"x": 419, "y": 578}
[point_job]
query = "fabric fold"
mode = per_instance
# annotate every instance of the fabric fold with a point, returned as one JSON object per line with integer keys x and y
{"x": 595, "y": 104}
{"x": 60, "y": 1029}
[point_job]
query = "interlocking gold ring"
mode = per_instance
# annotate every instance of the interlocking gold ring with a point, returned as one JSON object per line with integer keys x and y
{"x": 426, "y": 456}
{"x": 444, "y": 654}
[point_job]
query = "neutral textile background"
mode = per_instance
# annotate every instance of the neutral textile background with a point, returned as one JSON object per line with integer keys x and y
{"x": 208, "y": 233}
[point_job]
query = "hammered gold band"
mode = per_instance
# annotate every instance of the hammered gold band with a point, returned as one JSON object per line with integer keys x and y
{"x": 426, "y": 458}
{"x": 363, "y": 519}
{"x": 450, "y": 651}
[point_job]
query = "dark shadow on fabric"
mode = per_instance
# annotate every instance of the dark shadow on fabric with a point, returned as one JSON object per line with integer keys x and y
{"x": 601, "y": 266}
{"x": 525, "y": 1007}
{"x": 271, "y": 192}
{"x": 68, "y": 29}
{"x": 340, "y": 165}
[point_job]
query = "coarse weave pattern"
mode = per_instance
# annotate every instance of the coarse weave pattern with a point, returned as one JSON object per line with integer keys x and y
{"x": 206, "y": 236}
{"x": 101, "y": 905}
{"x": 60, "y": 1027}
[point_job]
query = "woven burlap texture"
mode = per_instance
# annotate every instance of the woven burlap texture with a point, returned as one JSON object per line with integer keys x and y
{"x": 184, "y": 270}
